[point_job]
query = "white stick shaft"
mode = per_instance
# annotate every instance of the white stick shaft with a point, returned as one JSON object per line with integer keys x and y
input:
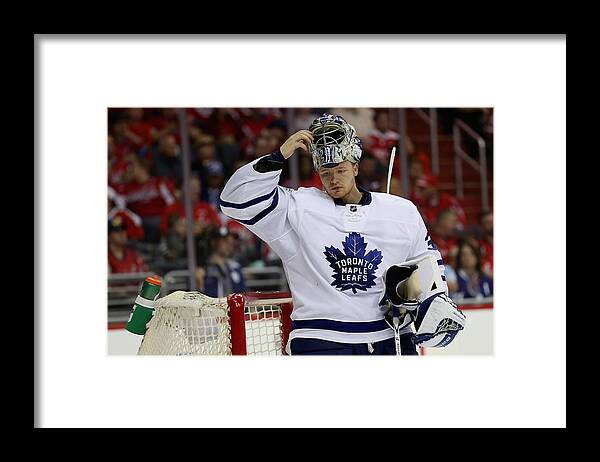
{"x": 391, "y": 169}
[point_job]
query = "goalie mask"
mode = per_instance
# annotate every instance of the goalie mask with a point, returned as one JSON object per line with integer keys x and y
{"x": 335, "y": 141}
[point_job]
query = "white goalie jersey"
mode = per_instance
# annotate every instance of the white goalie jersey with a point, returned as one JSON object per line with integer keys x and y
{"x": 334, "y": 254}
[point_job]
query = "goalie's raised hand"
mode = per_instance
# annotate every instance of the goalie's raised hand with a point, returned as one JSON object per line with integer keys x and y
{"x": 299, "y": 140}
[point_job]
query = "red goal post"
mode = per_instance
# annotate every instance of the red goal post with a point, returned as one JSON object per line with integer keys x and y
{"x": 244, "y": 313}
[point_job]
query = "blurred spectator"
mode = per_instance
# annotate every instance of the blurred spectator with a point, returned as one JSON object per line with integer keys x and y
{"x": 206, "y": 158}
{"x": 146, "y": 196}
{"x": 164, "y": 121}
{"x": 472, "y": 281}
{"x": 228, "y": 151}
{"x": 308, "y": 177}
{"x": 444, "y": 234}
{"x": 115, "y": 200}
{"x": 431, "y": 201}
{"x": 395, "y": 187}
{"x": 303, "y": 117}
{"x": 419, "y": 165}
{"x": 247, "y": 245}
{"x": 380, "y": 141}
{"x": 199, "y": 115}
{"x": 167, "y": 161}
{"x": 224, "y": 275}
{"x": 131, "y": 221}
{"x": 360, "y": 118}
{"x": 371, "y": 174}
{"x": 138, "y": 130}
{"x": 262, "y": 145}
{"x": 254, "y": 121}
{"x": 121, "y": 257}
{"x": 117, "y": 165}
{"x": 222, "y": 121}
{"x": 451, "y": 279}
{"x": 416, "y": 170}
{"x": 277, "y": 130}
{"x": 121, "y": 140}
{"x": 173, "y": 246}
{"x": 486, "y": 241}
{"x": 215, "y": 181}
{"x": 203, "y": 213}
{"x": 205, "y": 152}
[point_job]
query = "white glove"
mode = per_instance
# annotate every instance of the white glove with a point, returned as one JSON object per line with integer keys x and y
{"x": 437, "y": 321}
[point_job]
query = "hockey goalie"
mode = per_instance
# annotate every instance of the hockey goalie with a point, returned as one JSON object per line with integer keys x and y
{"x": 365, "y": 277}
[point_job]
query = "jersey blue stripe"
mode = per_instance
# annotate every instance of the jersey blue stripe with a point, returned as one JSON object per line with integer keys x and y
{"x": 264, "y": 213}
{"x": 249, "y": 203}
{"x": 340, "y": 326}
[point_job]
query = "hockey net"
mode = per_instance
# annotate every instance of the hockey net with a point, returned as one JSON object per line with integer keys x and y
{"x": 191, "y": 323}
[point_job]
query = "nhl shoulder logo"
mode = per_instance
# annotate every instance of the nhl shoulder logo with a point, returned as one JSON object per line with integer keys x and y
{"x": 353, "y": 269}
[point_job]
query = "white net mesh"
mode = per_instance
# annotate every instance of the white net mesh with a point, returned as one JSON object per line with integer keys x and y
{"x": 188, "y": 323}
{"x": 191, "y": 323}
{"x": 264, "y": 333}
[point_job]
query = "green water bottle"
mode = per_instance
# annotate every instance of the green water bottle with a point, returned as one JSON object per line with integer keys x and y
{"x": 143, "y": 308}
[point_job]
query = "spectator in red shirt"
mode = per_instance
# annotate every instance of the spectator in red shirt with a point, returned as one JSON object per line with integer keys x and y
{"x": 382, "y": 139}
{"x": 222, "y": 121}
{"x": 131, "y": 221}
{"x": 203, "y": 213}
{"x": 121, "y": 257}
{"x": 431, "y": 201}
{"x": 307, "y": 176}
{"x": 164, "y": 121}
{"x": 122, "y": 140}
{"x": 147, "y": 196}
{"x": 117, "y": 165}
{"x": 141, "y": 133}
{"x": 254, "y": 121}
{"x": 444, "y": 234}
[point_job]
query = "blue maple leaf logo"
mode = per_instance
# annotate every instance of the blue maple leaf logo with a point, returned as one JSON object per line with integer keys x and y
{"x": 353, "y": 269}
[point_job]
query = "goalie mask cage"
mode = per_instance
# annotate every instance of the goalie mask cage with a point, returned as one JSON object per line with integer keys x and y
{"x": 191, "y": 323}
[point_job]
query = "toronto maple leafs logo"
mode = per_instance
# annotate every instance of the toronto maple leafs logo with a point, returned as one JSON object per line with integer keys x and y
{"x": 353, "y": 269}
